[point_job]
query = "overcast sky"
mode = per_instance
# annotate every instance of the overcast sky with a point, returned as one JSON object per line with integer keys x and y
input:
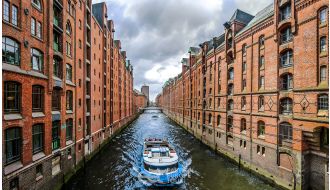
{"x": 157, "y": 33}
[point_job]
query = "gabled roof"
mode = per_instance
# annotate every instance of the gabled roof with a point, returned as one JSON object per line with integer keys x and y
{"x": 194, "y": 50}
{"x": 241, "y": 16}
{"x": 260, "y": 16}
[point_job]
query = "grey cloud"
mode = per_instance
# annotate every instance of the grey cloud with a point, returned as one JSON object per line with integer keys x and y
{"x": 154, "y": 32}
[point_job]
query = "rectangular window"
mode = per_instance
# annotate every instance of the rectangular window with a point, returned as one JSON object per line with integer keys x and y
{"x": 33, "y": 26}
{"x": 56, "y": 100}
{"x": 39, "y": 29}
{"x": 68, "y": 72}
{"x": 13, "y": 142}
{"x": 14, "y": 15}
{"x": 56, "y": 135}
{"x": 68, "y": 49}
{"x": 262, "y": 82}
{"x": 323, "y": 73}
{"x": 37, "y": 137}
{"x": 36, "y": 60}
{"x": 6, "y": 11}
{"x": 37, "y": 98}
{"x": 12, "y": 97}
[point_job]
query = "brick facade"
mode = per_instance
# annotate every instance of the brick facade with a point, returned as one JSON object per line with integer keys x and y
{"x": 259, "y": 92}
{"x": 66, "y": 50}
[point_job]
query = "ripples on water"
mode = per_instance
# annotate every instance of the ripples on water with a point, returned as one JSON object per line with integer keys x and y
{"x": 115, "y": 167}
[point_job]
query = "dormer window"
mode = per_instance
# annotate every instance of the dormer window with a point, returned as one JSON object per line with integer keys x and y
{"x": 285, "y": 12}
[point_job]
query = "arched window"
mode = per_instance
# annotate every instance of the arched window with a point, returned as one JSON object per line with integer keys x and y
{"x": 243, "y": 103}
{"x": 286, "y": 106}
{"x": 69, "y": 128}
{"x": 285, "y": 131}
{"x": 286, "y": 35}
{"x": 261, "y": 128}
{"x": 230, "y": 105}
{"x": 36, "y": 4}
{"x": 322, "y": 102}
{"x": 230, "y": 124}
{"x": 287, "y": 81}
{"x": 286, "y": 58}
{"x": 37, "y": 61}
{"x": 69, "y": 100}
{"x": 210, "y": 102}
{"x": 12, "y": 97}
{"x": 37, "y": 98}
{"x": 13, "y": 143}
{"x": 10, "y": 51}
{"x": 38, "y": 138}
{"x": 218, "y": 120}
{"x": 261, "y": 103}
{"x": 323, "y": 73}
{"x": 68, "y": 28}
{"x": 243, "y": 124}
{"x": 323, "y": 15}
{"x": 323, "y": 44}
{"x": 261, "y": 41}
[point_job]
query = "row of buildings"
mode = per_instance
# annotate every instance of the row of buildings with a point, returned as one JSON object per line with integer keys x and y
{"x": 67, "y": 88}
{"x": 258, "y": 92}
{"x": 140, "y": 100}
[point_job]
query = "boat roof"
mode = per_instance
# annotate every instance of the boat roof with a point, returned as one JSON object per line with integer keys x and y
{"x": 160, "y": 149}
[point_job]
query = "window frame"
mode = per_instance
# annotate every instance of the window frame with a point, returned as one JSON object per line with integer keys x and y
{"x": 17, "y": 93}
{"x": 39, "y": 56}
{"x": 69, "y": 129}
{"x": 39, "y": 97}
{"x": 14, "y": 15}
{"x": 261, "y": 128}
{"x": 38, "y": 135}
{"x": 69, "y": 100}
{"x": 17, "y": 50}
{"x": 15, "y": 145}
{"x": 322, "y": 102}
{"x": 68, "y": 72}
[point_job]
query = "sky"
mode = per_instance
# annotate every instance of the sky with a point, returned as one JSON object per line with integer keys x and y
{"x": 156, "y": 34}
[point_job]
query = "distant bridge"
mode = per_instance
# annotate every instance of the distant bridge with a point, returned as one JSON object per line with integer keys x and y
{"x": 151, "y": 109}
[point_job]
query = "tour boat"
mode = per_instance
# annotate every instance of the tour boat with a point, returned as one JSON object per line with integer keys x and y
{"x": 160, "y": 167}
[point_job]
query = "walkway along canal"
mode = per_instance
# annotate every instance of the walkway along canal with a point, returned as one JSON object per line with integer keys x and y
{"x": 116, "y": 164}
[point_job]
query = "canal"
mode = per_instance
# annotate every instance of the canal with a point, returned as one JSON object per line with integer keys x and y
{"x": 116, "y": 165}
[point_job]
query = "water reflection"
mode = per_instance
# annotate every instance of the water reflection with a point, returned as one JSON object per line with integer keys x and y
{"x": 115, "y": 167}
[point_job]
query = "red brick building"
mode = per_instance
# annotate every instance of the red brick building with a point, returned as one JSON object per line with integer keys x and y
{"x": 140, "y": 101}
{"x": 58, "y": 66}
{"x": 258, "y": 92}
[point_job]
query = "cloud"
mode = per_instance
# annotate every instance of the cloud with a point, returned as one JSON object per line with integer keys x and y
{"x": 157, "y": 34}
